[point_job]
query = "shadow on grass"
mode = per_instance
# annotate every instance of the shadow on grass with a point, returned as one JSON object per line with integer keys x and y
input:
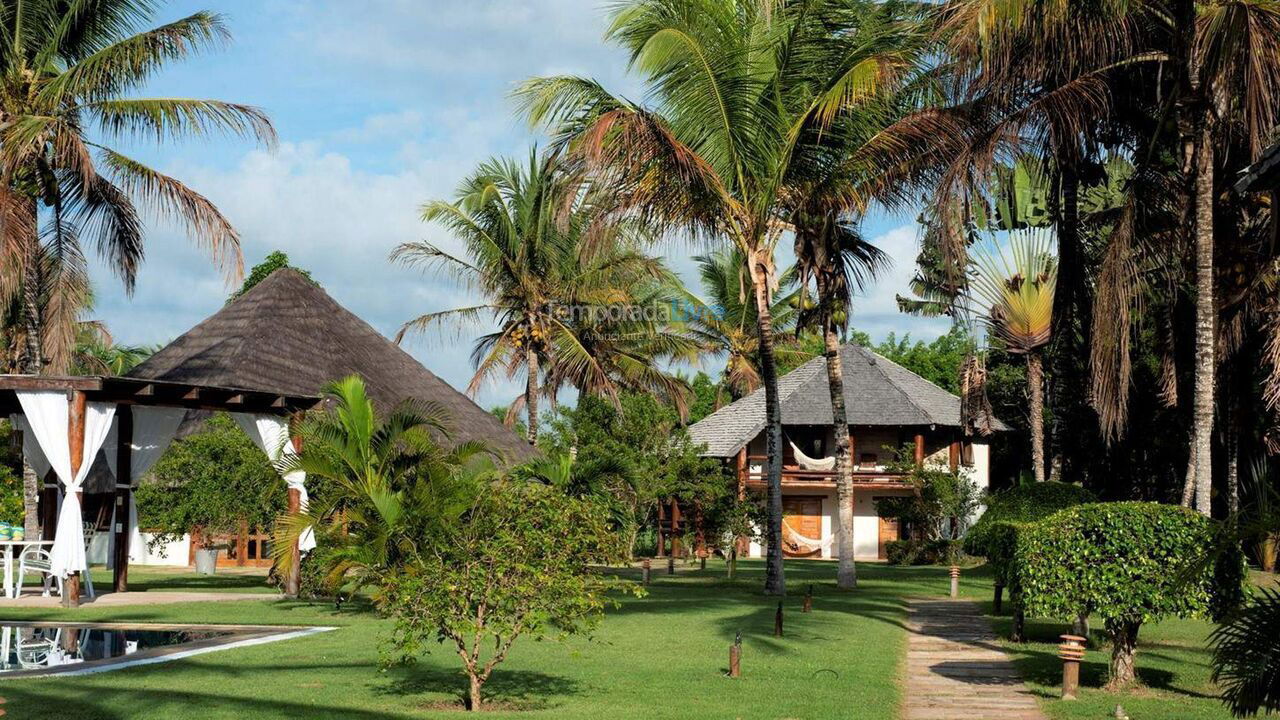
{"x": 527, "y": 689}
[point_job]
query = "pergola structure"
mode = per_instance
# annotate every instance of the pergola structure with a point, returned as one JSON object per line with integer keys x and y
{"x": 85, "y": 411}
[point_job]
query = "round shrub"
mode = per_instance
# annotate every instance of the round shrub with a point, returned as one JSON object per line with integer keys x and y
{"x": 1128, "y": 563}
{"x": 1022, "y": 504}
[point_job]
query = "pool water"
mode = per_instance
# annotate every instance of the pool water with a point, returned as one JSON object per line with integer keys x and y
{"x": 41, "y": 649}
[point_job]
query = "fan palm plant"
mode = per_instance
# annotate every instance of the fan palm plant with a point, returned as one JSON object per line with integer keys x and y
{"x": 1013, "y": 295}
{"x": 542, "y": 256}
{"x": 732, "y": 100}
{"x": 67, "y": 74}
{"x": 391, "y": 484}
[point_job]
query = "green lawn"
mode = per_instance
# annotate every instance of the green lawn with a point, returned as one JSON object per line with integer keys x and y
{"x": 661, "y": 656}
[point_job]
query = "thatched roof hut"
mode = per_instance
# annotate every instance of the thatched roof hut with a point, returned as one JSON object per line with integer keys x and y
{"x": 288, "y": 335}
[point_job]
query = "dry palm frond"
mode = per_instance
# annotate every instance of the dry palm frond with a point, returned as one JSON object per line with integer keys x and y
{"x": 1119, "y": 289}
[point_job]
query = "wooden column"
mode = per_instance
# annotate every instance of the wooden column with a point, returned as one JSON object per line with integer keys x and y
{"x": 954, "y": 455}
{"x": 742, "y": 473}
{"x": 49, "y": 494}
{"x": 853, "y": 451}
{"x": 75, "y": 440}
{"x": 124, "y": 491}
{"x": 676, "y": 549}
{"x": 919, "y": 450}
{"x": 662, "y": 522}
{"x": 293, "y": 580}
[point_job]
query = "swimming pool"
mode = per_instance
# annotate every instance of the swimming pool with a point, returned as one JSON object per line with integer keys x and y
{"x": 29, "y": 649}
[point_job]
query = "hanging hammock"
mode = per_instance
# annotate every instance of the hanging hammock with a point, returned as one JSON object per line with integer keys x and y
{"x": 797, "y": 543}
{"x": 808, "y": 463}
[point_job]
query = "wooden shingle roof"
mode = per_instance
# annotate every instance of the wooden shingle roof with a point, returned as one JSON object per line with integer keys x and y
{"x": 287, "y": 335}
{"x": 877, "y": 392}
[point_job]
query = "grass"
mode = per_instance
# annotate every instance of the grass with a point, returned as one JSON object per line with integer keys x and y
{"x": 661, "y": 656}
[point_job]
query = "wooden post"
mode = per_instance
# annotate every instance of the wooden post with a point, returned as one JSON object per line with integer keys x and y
{"x": 645, "y": 567}
{"x": 677, "y": 548}
{"x": 75, "y": 440}
{"x": 742, "y": 473}
{"x": 662, "y": 529}
{"x": 954, "y": 456}
{"x": 853, "y": 450}
{"x": 671, "y": 564}
{"x": 49, "y": 506}
{"x": 808, "y": 601}
{"x": 919, "y": 450}
{"x": 777, "y": 621}
{"x": 735, "y": 656}
{"x": 124, "y": 490}
{"x": 1072, "y": 652}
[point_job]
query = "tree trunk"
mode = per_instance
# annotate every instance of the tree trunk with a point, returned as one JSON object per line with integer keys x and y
{"x": 846, "y": 571}
{"x": 1189, "y": 482}
{"x": 473, "y": 692}
{"x": 1035, "y": 389}
{"x": 1233, "y": 453}
{"x": 1124, "y": 651}
{"x": 1206, "y": 322}
{"x": 30, "y": 501}
{"x": 775, "y": 579}
{"x": 531, "y": 394}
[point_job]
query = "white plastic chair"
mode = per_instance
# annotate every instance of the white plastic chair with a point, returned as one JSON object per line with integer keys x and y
{"x": 90, "y": 529}
{"x": 36, "y": 559}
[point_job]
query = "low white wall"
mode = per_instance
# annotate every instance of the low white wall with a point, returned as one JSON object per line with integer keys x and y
{"x": 171, "y": 553}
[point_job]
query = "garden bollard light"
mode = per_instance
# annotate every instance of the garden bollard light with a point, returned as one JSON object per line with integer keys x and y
{"x": 645, "y": 567}
{"x": 735, "y": 655}
{"x": 955, "y": 581}
{"x": 777, "y": 621}
{"x": 702, "y": 562}
{"x": 1072, "y": 652}
{"x": 808, "y": 601}
{"x": 671, "y": 564}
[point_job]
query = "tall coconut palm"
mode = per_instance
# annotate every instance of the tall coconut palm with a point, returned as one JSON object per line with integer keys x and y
{"x": 540, "y": 254}
{"x": 68, "y": 71}
{"x": 730, "y": 100}
{"x": 832, "y": 254}
{"x": 1013, "y": 295}
{"x": 722, "y": 317}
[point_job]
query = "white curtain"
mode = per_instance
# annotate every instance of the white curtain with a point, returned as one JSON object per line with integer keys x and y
{"x": 271, "y": 434}
{"x": 48, "y": 415}
{"x": 153, "y": 430}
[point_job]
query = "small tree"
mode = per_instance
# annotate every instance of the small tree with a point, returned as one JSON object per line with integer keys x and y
{"x": 944, "y": 500}
{"x": 213, "y": 480}
{"x": 515, "y": 565}
{"x": 1022, "y": 504}
{"x": 1129, "y": 563}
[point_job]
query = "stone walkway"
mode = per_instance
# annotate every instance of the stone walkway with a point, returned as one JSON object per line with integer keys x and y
{"x": 956, "y": 669}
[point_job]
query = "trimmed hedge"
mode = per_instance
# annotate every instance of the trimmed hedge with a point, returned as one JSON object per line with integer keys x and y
{"x": 922, "y": 552}
{"x": 1126, "y": 562}
{"x": 1022, "y": 504}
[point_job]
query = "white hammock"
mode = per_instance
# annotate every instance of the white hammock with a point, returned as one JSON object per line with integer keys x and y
{"x": 808, "y": 463}
{"x": 805, "y": 544}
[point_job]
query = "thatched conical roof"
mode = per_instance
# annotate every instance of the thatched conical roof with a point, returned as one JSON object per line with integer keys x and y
{"x": 287, "y": 335}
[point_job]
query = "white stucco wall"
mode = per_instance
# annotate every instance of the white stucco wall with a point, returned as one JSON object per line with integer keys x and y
{"x": 172, "y": 553}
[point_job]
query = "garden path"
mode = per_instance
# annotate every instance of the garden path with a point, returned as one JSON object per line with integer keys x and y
{"x": 956, "y": 668}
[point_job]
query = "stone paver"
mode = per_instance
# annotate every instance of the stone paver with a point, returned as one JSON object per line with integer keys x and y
{"x": 956, "y": 669}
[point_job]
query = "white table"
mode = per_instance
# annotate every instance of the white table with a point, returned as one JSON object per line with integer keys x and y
{"x": 10, "y": 586}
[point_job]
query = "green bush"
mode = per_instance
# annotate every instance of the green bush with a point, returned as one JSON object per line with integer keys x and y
{"x": 922, "y": 552}
{"x": 1022, "y": 504}
{"x": 1128, "y": 563}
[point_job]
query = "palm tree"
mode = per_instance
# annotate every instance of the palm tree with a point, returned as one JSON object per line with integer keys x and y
{"x": 832, "y": 254}
{"x": 1014, "y": 297}
{"x": 732, "y": 102}
{"x": 66, "y": 68}
{"x": 392, "y": 485}
{"x": 723, "y": 319}
{"x": 542, "y": 257}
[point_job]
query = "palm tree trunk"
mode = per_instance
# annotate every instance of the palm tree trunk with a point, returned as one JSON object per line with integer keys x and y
{"x": 846, "y": 571}
{"x": 1035, "y": 389}
{"x": 1189, "y": 482}
{"x": 531, "y": 394}
{"x": 1206, "y": 322}
{"x": 775, "y": 580}
{"x": 32, "y": 363}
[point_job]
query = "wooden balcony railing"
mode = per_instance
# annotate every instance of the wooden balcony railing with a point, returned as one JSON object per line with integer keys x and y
{"x": 794, "y": 474}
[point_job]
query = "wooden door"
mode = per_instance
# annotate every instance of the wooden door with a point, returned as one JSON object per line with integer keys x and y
{"x": 802, "y": 516}
{"x": 889, "y": 531}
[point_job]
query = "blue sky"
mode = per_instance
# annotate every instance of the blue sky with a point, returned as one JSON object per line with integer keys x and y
{"x": 380, "y": 105}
